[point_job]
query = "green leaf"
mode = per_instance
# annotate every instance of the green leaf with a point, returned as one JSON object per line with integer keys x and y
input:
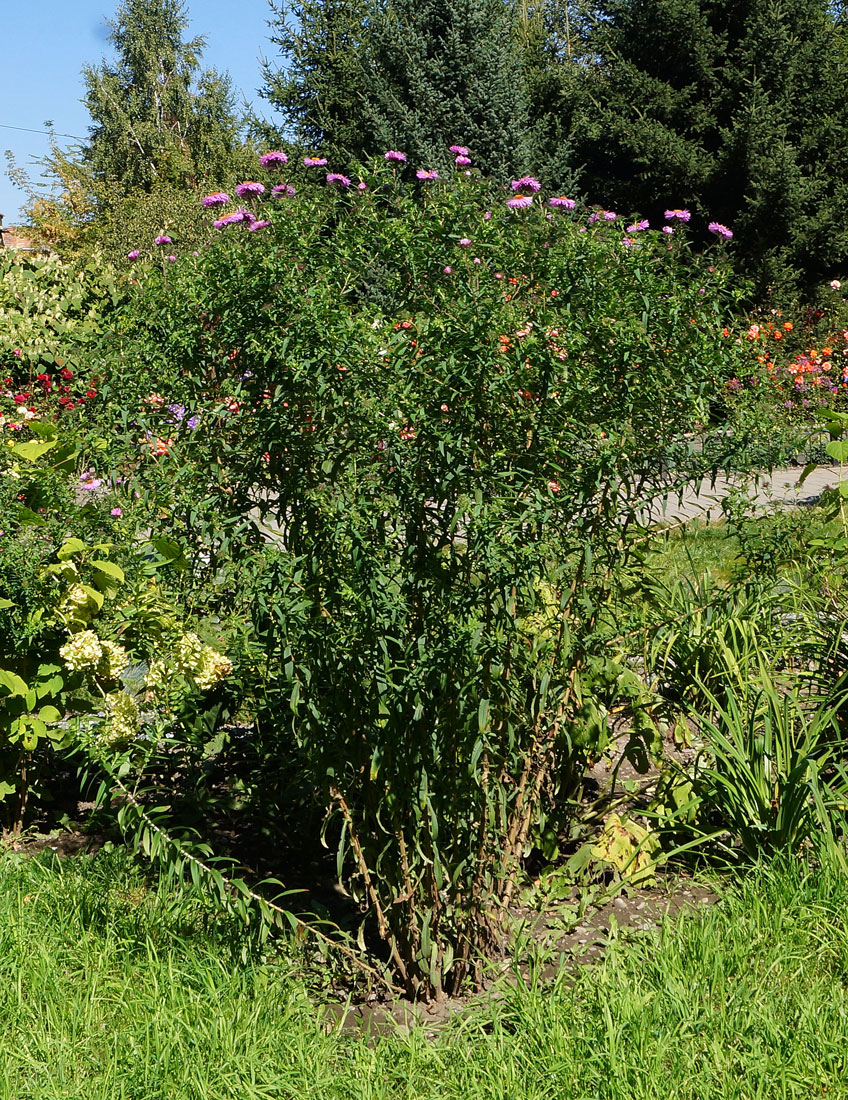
{"x": 6, "y": 604}
{"x": 69, "y": 548}
{"x": 483, "y": 715}
{"x": 13, "y": 684}
{"x": 49, "y": 713}
{"x": 94, "y": 595}
{"x": 65, "y": 456}
{"x": 44, "y": 429}
{"x": 31, "y": 450}
{"x": 28, "y": 518}
{"x": 50, "y": 687}
{"x": 110, "y": 569}
{"x": 171, "y": 551}
{"x": 838, "y": 450}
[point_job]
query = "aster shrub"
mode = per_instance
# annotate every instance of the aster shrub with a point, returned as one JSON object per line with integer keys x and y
{"x": 428, "y": 424}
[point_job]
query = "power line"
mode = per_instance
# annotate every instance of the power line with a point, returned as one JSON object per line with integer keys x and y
{"x": 50, "y": 133}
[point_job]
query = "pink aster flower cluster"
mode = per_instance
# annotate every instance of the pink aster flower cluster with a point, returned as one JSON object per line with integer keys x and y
{"x": 250, "y": 187}
{"x": 237, "y": 216}
{"x": 274, "y": 158}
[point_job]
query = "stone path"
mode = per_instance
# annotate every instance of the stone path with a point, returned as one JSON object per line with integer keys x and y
{"x": 776, "y": 489}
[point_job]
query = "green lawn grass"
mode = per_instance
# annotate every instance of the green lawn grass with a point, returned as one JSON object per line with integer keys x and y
{"x": 108, "y": 992}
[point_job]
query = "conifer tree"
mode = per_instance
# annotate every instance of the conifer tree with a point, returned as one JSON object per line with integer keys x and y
{"x": 735, "y": 108}
{"x": 450, "y": 72}
{"x": 318, "y": 89}
{"x": 363, "y": 76}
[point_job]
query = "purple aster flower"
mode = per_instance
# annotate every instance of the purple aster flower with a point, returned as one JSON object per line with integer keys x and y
{"x": 172, "y": 259}
{"x": 637, "y": 227}
{"x": 257, "y": 225}
{"x": 217, "y": 198}
{"x": 250, "y": 187}
{"x": 593, "y": 217}
{"x": 459, "y": 150}
{"x": 609, "y": 215}
{"x": 88, "y": 482}
{"x": 338, "y": 179}
{"x": 448, "y": 270}
{"x": 667, "y": 229}
{"x": 283, "y": 189}
{"x": 526, "y": 183}
{"x": 117, "y": 512}
{"x": 191, "y": 423}
{"x": 720, "y": 230}
{"x": 276, "y": 156}
{"x": 315, "y": 162}
{"x": 134, "y": 255}
{"x": 362, "y": 186}
{"x": 162, "y": 239}
{"x": 177, "y": 411}
{"x": 561, "y": 200}
{"x": 465, "y": 241}
{"x": 462, "y": 161}
{"x": 487, "y": 217}
{"x": 427, "y": 174}
{"x": 677, "y": 215}
{"x": 393, "y": 154}
{"x": 518, "y": 201}
{"x": 237, "y": 216}
{"x": 628, "y": 242}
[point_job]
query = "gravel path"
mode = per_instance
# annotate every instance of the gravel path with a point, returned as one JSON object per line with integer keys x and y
{"x": 777, "y": 488}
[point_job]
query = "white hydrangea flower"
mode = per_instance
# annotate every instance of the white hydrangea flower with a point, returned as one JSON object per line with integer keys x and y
{"x": 123, "y": 725}
{"x": 212, "y": 668}
{"x": 115, "y": 661}
{"x": 189, "y": 651}
{"x": 75, "y": 600}
{"x": 83, "y": 652}
{"x": 158, "y": 674}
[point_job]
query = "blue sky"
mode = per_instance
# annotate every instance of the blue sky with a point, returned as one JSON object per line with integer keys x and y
{"x": 47, "y": 42}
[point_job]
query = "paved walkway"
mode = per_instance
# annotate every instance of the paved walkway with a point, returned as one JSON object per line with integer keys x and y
{"x": 776, "y": 489}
